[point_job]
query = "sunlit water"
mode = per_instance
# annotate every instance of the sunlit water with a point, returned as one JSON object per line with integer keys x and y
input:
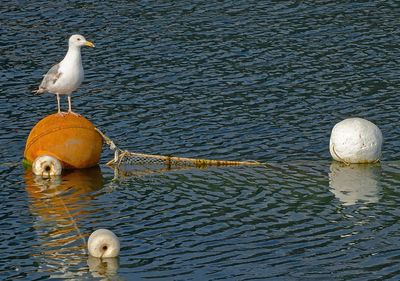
{"x": 259, "y": 80}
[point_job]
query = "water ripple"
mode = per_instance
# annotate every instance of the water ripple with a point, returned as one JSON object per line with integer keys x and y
{"x": 220, "y": 80}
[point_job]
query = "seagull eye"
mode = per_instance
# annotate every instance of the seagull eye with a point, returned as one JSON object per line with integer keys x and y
{"x": 79, "y": 39}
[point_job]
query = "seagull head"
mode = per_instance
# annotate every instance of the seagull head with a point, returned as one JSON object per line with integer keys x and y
{"x": 79, "y": 41}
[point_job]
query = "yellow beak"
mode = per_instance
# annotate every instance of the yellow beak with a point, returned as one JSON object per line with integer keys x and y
{"x": 89, "y": 44}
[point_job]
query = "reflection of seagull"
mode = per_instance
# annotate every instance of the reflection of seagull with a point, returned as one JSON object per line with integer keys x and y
{"x": 66, "y": 76}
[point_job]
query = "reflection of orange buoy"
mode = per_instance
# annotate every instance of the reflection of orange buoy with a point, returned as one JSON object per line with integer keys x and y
{"x": 59, "y": 204}
{"x": 71, "y": 139}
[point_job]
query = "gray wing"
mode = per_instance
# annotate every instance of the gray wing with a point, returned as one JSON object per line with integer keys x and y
{"x": 49, "y": 79}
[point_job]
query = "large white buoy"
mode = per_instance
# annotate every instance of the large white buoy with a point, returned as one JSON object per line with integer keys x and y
{"x": 103, "y": 243}
{"x": 46, "y": 165}
{"x": 356, "y": 140}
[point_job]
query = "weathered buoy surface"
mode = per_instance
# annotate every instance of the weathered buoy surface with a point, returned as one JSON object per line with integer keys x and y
{"x": 71, "y": 139}
{"x": 356, "y": 140}
{"x": 103, "y": 243}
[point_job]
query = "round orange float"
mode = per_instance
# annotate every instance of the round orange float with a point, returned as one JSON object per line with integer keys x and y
{"x": 71, "y": 139}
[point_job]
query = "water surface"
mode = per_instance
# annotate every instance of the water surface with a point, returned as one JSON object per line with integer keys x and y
{"x": 259, "y": 80}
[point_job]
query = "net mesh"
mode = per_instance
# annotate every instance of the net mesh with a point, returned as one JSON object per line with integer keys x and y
{"x": 132, "y": 158}
{"x": 127, "y": 160}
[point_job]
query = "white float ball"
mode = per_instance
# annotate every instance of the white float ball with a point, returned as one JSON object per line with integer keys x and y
{"x": 103, "y": 243}
{"x": 356, "y": 140}
{"x": 46, "y": 165}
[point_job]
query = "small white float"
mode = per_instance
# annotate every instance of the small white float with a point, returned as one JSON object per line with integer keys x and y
{"x": 356, "y": 140}
{"x": 46, "y": 166}
{"x": 103, "y": 243}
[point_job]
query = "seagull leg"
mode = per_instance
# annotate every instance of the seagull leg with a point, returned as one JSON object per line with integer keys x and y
{"x": 59, "y": 108}
{"x": 58, "y": 103}
{"x": 70, "y": 107}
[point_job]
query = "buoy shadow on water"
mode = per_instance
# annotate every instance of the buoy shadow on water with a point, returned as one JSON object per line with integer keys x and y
{"x": 355, "y": 183}
{"x": 103, "y": 267}
{"x": 57, "y": 205}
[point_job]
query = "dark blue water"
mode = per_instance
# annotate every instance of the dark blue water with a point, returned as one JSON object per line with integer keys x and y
{"x": 259, "y": 80}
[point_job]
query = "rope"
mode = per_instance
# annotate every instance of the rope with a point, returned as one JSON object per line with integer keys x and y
{"x": 345, "y": 162}
{"x": 73, "y": 222}
{"x": 337, "y": 155}
{"x": 58, "y": 195}
{"x": 131, "y": 158}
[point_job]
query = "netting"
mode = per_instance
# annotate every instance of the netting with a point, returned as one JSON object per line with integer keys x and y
{"x": 170, "y": 162}
{"x": 128, "y": 161}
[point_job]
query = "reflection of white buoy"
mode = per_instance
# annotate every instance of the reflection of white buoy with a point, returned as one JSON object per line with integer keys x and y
{"x": 46, "y": 165}
{"x": 355, "y": 183}
{"x": 356, "y": 140}
{"x": 106, "y": 267}
{"x": 103, "y": 243}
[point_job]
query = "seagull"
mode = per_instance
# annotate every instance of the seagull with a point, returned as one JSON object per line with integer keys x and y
{"x": 66, "y": 76}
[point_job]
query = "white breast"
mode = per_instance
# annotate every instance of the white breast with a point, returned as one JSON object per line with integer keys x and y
{"x": 71, "y": 72}
{"x": 70, "y": 79}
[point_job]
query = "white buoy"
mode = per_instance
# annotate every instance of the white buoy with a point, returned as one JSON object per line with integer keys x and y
{"x": 46, "y": 165}
{"x": 356, "y": 140}
{"x": 103, "y": 243}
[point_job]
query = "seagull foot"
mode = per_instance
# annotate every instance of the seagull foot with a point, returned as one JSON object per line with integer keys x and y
{"x": 62, "y": 114}
{"x": 74, "y": 113}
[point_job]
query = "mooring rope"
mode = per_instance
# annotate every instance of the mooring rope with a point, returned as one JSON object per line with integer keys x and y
{"x": 73, "y": 222}
{"x": 127, "y": 157}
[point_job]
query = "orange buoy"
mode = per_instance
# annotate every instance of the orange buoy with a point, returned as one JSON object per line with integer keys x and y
{"x": 71, "y": 139}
